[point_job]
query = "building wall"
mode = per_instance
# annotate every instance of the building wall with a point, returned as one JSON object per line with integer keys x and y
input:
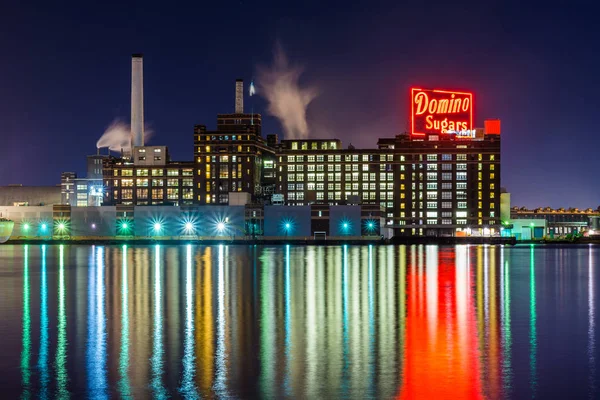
{"x": 345, "y": 221}
{"x": 104, "y": 221}
{"x": 34, "y": 216}
{"x": 32, "y": 195}
{"x": 505, "y": 206}
{"x": 527, "y": 229}
{"x": 298, "y": 217}
{"x": 93, "y": 221}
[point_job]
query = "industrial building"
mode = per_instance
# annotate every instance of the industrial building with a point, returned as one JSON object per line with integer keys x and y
{"x": 557, "y": 222}
{"x": 208, "y": 222}
{"x": 233, "y": 157}
{"x": 84, "y": 192}
{"x": 19, "y": 195}
{"x": 440, "y": 179}
{"x": 148, "y": 178}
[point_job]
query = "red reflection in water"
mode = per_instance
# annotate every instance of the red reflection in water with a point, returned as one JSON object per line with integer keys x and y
{"x": 442, "y": 356}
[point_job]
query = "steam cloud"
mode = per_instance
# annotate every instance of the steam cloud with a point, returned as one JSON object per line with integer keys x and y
{"x": 287, "y": 100}
{"x": 117, "y": 136}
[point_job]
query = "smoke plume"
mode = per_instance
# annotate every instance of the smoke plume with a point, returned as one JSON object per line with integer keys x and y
{"x": 117, "y": 136}
{"x": 287, "y": 100}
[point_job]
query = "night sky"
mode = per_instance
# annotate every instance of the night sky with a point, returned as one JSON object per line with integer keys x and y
{"x": 65, "y": 76}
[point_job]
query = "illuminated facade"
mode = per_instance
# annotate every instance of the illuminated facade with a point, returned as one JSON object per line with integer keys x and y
{"x": 230, "y": 159}
{"x": 84, "y": 192}
{"x": 440, "y": 179}
{"x": 448, "y": 185}
{"x": 322, "y": 172}
{"x": 434, "y": 187}
{"x": 148, "y": 179}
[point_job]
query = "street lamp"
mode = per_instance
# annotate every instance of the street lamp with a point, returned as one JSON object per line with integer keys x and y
{"x": 532, "y": 225}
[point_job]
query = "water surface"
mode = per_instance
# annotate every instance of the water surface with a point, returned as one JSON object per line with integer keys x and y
{"x": 295, "y": 321}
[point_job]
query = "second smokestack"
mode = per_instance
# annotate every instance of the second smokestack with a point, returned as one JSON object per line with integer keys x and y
{"x": 137, "y": 100}
{"x": 239, "y": 96}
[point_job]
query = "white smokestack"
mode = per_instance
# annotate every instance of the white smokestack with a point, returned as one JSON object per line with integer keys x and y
{"x": 239, "y": 96}
{"x": 137, "y": 100}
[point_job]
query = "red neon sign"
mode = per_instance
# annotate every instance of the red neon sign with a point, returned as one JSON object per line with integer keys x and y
{"x": 435, "y": 112}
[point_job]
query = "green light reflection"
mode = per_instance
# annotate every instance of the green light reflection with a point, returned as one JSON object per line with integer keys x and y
{"x": 44, "y": 343}
{"x": 506, "y": 325}
{"x": 26, "y": 338}
{"x": 532, "y": 323}
{"x": 61, "y": 345}
{"x": 287, "y": 322}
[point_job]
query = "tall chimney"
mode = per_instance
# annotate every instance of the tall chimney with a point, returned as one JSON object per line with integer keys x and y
{"x": 239, "y": 96}
{"x": 137, "y": 100}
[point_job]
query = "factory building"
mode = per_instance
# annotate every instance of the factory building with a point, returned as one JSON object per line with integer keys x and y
{"x": 557, "y": 222}
{"x": 84, "y": 192}
{"x": 442, "y": 178}
{"x": 448, "y": 185}
{"x": 231, "y": 158}
{"x": 148, "y": 178}
{"x": 23, "y": 196}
